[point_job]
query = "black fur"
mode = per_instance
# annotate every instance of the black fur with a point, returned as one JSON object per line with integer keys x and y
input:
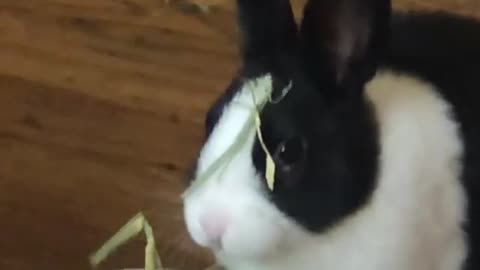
{"x": 331, "y": 172}
{"x": 324, "y": 111}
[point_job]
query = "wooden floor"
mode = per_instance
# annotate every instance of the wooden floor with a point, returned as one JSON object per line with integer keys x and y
{"x": 101, "y": 107}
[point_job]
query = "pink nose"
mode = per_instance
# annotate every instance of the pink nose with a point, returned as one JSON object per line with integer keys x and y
{"x": 214, "y": 226}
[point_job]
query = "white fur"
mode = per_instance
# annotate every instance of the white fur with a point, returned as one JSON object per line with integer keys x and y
{"x": 412, "y": 221}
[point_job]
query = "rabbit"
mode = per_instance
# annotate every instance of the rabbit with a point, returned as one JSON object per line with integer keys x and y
{"x": 373, "y": 125}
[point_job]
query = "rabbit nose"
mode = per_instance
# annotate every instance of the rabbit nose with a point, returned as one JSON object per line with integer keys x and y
{"x": 214, "y": 225}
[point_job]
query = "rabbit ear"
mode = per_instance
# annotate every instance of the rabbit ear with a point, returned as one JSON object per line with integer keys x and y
{"x": 344, "y": 39}
{"x": 267, "y": 27}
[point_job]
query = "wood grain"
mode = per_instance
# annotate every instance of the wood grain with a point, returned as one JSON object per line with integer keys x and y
{"x": 102, "y": 104}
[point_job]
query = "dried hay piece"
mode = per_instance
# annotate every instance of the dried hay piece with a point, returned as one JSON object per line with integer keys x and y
{"x": 205, "y": 6}
{"x": 133, "y": 228}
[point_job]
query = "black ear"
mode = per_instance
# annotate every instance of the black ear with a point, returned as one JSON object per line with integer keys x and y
{"x": 268, "y": 28}
{"x": 343, "y": 40}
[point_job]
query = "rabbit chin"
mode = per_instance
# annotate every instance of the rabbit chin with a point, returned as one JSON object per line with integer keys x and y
{"x": 249, "y": 241}
{"x": 257, "y": 230}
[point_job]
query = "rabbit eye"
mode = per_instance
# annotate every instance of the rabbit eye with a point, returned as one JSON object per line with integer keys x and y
{"x": 289, "y": 153}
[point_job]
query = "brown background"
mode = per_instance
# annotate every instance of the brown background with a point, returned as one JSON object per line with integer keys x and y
{"x": 101, "y": 105}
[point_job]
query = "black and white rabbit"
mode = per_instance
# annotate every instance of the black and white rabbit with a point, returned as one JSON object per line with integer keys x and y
{"x": 376, "y": 143}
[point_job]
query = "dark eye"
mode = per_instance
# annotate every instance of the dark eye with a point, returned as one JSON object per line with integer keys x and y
{"x": 290, "y": 153}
